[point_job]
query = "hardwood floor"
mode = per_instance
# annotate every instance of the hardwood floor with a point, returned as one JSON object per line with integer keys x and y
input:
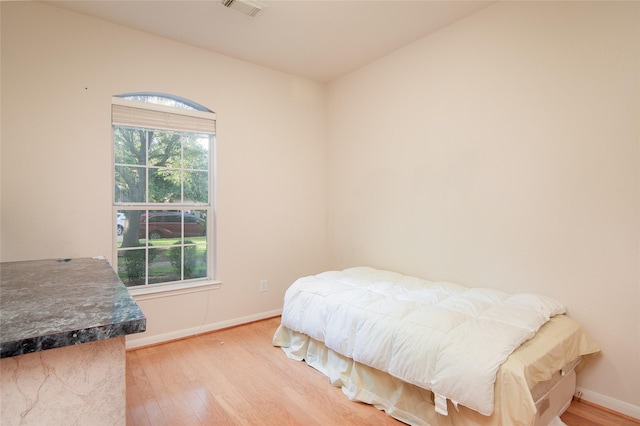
{"x": 236, "y": 377}
{"x": 587, "y": 414}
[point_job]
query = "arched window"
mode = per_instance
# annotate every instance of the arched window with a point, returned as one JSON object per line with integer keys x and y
{"x": 163, "y": 158}
{"x": 164, "y": 99}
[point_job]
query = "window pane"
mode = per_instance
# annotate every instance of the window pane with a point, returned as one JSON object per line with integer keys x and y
{"x": 196, "y": 151}
{"x": 161, "y": 100}
{"x": 198, "y": 263}
{"x": 163, "y": 225}
{"x": 196, "y": 185}
{"x": 129, "y": 145}
{"x": 165, "y": 149}
{"x": 131, "y": 184}
{"x": 132, "y": 228}
{"x": 131, "y": 266}
{"x": 164, "y": 185}
{"x": 195, "y": 224}
{"x": 161, "y": 268}
{"x": 121, "y": 222}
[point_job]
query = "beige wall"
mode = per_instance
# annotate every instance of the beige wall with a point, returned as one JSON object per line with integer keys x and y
{"x": 59, "y": 71}
{"x": 502, "y": 151}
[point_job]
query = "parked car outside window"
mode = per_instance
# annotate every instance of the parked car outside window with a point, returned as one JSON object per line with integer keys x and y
{"x": 121, "y": 220}
{"x": 169, "y": 225}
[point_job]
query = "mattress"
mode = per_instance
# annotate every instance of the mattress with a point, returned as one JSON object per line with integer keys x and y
{"x": 536, "y": 366}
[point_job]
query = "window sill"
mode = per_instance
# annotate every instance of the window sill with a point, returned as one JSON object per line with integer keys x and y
{"x": 157, "y": 291}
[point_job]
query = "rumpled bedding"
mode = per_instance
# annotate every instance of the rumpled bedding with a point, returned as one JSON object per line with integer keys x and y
{"x": 438, "y": 336}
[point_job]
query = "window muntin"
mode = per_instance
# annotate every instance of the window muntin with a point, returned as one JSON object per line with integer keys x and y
{"x": 162, "y": 196}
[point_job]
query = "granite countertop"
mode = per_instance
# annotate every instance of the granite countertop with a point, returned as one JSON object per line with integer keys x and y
{"x": 46, "y": 304}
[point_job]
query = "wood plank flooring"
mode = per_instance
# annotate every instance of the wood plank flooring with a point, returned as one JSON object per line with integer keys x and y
{"x": 587, "y": 414}
{"x": 236, "y": 377}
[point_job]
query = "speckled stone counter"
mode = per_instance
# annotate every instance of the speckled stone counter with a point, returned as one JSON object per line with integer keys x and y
{"x": 62, "y": 328}
{"x": 46, "y": 304}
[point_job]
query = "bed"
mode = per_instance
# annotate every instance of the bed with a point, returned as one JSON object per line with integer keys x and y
{"x": 435, "y": 353}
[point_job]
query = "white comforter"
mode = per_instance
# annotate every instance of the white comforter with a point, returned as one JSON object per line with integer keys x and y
{"x": 436, "y": 335}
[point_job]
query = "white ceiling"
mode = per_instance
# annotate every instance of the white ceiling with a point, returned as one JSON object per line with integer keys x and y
{"x": 316, "y": 39}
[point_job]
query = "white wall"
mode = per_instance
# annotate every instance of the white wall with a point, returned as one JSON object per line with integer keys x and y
{"x": 59, "y": 71}
{"x": 502, "y": 151}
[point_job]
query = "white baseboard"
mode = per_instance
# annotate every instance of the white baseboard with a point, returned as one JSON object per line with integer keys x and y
{"x": 610, "y": 403}
{"x": 180, "y": 334}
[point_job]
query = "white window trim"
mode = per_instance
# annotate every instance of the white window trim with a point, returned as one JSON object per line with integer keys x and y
{"x": 155, "y": 291}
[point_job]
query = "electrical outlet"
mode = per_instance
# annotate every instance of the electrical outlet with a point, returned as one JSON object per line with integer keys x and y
{"x": 263, "y": 286}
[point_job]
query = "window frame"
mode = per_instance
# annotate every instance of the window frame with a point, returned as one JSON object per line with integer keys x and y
{"x": 183, "y": 116}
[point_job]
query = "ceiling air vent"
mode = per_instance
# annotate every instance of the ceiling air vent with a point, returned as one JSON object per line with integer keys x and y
{"x": 247, "y": 7}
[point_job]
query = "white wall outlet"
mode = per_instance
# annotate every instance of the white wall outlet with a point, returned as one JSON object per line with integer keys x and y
{"x": 263, "y": 286}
